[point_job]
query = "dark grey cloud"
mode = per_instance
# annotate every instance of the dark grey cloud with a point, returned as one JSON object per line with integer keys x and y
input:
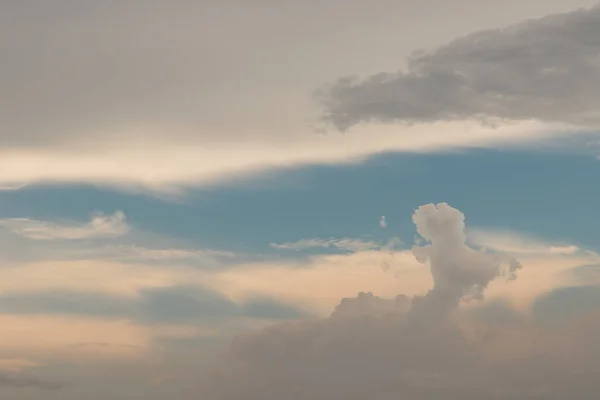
{"x": 81, "y": 70}
{"x": 544, "y": 69}
{"x": 425, "y": 349}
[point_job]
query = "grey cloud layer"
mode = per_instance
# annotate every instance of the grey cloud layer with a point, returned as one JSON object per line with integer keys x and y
{"x": 376, "y": 348}
{"x": 387, "y": 357}
{"x": 545, "y": 69}
{"x": 79, "y": 70}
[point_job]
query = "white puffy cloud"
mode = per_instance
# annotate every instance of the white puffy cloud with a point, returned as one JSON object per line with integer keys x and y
{"x": 457, "y": 270}
{"x": 372, "y": 347}
{"x": 99, "y": 226}
{"x": 382, "y": 222}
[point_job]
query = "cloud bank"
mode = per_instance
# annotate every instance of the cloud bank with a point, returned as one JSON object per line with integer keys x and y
{"x": 141, "y": 108}
{"x": 545, "y": 69}
{"x": 435, "y": 346}
{"x": 366, "y": 339}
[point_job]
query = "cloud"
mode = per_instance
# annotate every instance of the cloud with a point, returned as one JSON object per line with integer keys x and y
{"x": 147, "y": 115}
{"x": 457, "y": 270}
{"x": 11, "y": 186}
{"x": 161, "y": 166}
{"x": 131, "y": 306}
{"x": 516, "y": 243}
{"x": 135, "y": 252}
{"x": 382, "y": 223}
{"x": 25, "y": 381}
{"x": 100, "y": 226}
{"x": 74, "y": 268}
{"x": 68, "y": 340}
{"x": 388, "y": 271}
{"x": 134, "y": 247}
{"x": 309, "y": 283}
{"x": 204, "y": 258}
{"x": 346, "y": 244}
{"x": 372, "y": 347}
{"x": 585, "y": 274}
{"x": 21, "y": 335}
{"x": 384, "y": 358}
{"x": 193, "y": 304}
{"x": 16, "y": 364}
{"x": 303, "y": 282}
{"x": 365, "y": 304}
{"x": 545, "y": 69}
{"x": 67, "y": 303}
{"x": 564, "y": 304}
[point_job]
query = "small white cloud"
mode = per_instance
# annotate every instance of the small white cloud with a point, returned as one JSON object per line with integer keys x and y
{"x": 457, "y": 270}
{"x": 99, "y": 226}
{"x": 382, "y": 222}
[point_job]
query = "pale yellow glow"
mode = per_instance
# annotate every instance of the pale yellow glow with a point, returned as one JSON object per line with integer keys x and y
{"x": 539, "y": 275}
{"x": 321, "y": 284}
{"x": 86, "y": 276}
{"x": 518, "y": 244}
{"x": 157, "y": 163}
{"x": 316, "y": 285}
{"x": 49, "y": 337}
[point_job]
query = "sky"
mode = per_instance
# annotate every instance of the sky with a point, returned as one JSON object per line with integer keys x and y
{"x": 256, "y": 200}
